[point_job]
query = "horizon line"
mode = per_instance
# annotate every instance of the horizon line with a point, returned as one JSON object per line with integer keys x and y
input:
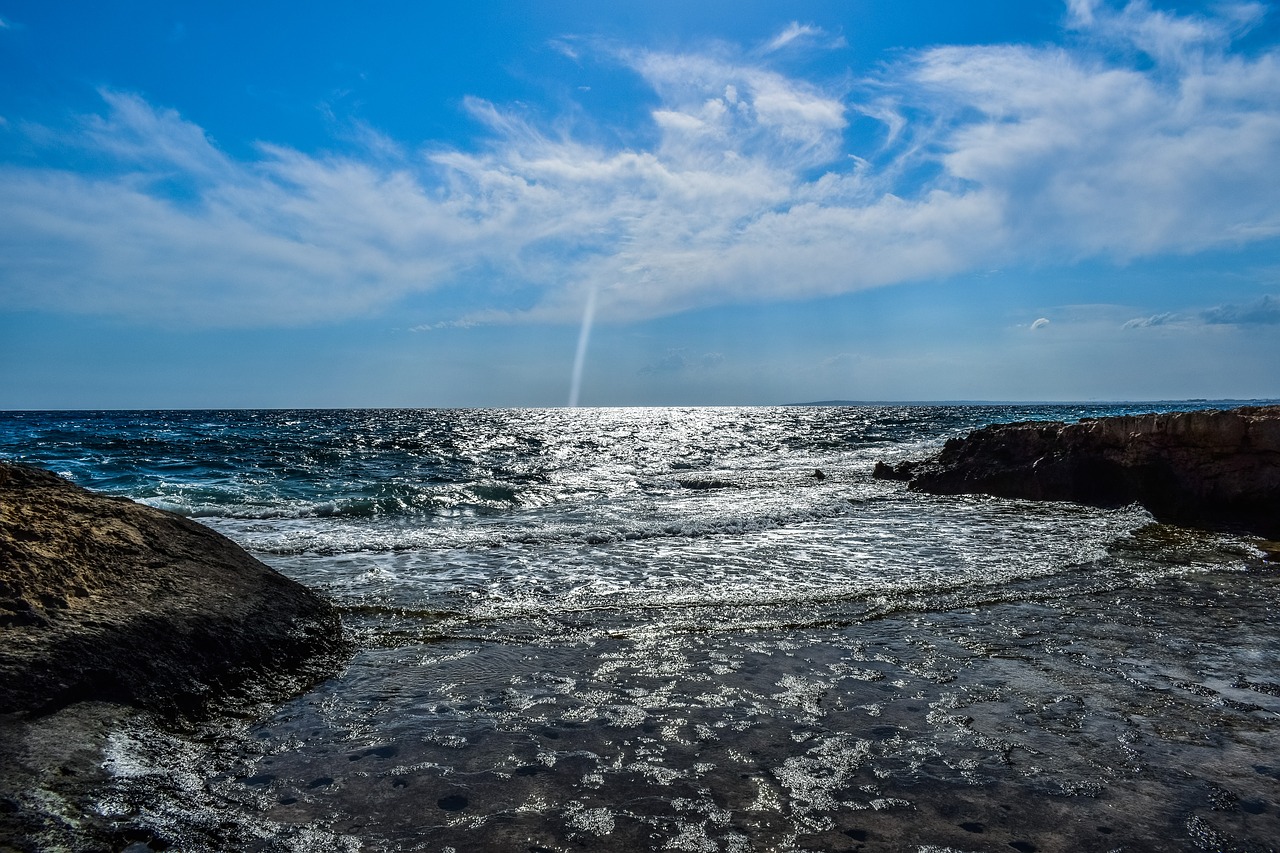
{"x": 816, "y": 403}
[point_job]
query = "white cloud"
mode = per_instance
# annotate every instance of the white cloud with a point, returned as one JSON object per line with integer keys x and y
{"x": 1164, "y": 36}
{"x": 564, "y": 48}
{"x": 1094, "y": 159}
{"x": 797, "y": 33}
{"x": 749, "y": 192}
{"x": 738, "y": 108}
{"x": 1165, "y": 319}
{"x": 1081, "y": 12}
{"x": 140, "y": 136}
{"x": 1040, "y": 323}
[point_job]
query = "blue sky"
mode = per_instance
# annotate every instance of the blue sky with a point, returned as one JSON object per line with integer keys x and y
{"x": 412, "y": 204}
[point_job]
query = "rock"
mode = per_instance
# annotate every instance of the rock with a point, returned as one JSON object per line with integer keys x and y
{"x": 703, "y": 483}
{"x": 1218, "y": 469}
{"x": 885, "y": 471}
{"x": 105, "y": 599}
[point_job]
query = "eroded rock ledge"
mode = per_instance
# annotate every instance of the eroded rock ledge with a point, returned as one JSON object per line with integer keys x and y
{"x": 105, "y": 599}
{"x": 1218, "y": 469}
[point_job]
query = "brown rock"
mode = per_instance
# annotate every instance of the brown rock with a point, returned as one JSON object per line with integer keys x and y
{"x": 1211, "y": 468}
{"x": 105, "y": 599}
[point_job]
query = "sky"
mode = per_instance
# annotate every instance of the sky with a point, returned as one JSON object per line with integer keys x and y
{"x": 217, "y": 205}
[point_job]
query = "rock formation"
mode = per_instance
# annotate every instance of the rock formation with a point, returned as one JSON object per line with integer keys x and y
{"x": 105, "y": 599}
{"x": 1218, "y": 469}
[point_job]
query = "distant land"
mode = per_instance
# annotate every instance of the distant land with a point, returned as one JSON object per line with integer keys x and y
{"x": 1256, "y": 401}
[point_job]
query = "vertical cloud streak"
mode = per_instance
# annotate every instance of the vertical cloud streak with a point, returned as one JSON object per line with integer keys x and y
{"x": 580, "y": 355}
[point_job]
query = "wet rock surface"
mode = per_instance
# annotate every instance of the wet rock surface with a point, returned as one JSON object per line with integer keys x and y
{"x": 1123, "y": 720}
{"x": 1218, "y": 469}
{"x": 106, "y": 605}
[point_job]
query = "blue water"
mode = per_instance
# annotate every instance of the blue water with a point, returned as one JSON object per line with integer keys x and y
{"x": 432, "y": 464}
{"x": 636, "y": 581}
{"x": 475, "y": 518}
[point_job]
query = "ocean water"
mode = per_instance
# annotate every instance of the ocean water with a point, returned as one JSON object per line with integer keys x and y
{"x": 635, "y": 629}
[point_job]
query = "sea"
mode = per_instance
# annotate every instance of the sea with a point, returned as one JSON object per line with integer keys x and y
{"x": 703, "y": 629}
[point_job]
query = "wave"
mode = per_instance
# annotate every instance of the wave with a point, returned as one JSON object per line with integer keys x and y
{"x": 620, "y": 522}
{"x": 376, "y": 501}
{"x": 750, "y": 603}
{"x": 430, "y": 499}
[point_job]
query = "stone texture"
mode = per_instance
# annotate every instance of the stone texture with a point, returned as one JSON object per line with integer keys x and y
{"x": 104, "y": 599}
{"x": 1218, "y": 469}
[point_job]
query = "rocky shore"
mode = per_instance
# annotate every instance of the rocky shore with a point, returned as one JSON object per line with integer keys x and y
{"x": 1214, "y": 469}
{"x": 108, "y": 604}
{"x": 105, "y": 599}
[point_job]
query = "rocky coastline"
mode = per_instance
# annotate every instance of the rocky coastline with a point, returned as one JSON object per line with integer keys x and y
{"x": 104, "y": 599}
{"x": 1217, "y": 469}
{"x": 109, "y": 608}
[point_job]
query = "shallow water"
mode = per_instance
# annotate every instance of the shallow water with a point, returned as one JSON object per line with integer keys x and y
{"x": 1143, "y": 718}
{"x": 657, "y": 629}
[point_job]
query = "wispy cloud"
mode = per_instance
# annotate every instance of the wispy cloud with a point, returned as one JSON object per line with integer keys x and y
{"x": 796, "y": 33}
{"x": 1165, "y": 36}
{"x": 991, "y": 155}
{"x": 1165, "y": 319}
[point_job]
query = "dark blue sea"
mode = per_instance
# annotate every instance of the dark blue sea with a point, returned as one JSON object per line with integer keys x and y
{"x": 658, "y": 629}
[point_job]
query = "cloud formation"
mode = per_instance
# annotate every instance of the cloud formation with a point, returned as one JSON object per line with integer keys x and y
{"x": 750, "y": 190}
{"x": 796, "y": 33}
{"x": 1164, "y": 319}
{"x": 1263, "y": 311}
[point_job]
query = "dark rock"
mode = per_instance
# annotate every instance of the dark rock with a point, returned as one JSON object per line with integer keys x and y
{"x": 703, "y": 483}
{"x": 105, "y": 599}
{"x": 885, "y": 471}
{"x": 1218, "y": 469}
